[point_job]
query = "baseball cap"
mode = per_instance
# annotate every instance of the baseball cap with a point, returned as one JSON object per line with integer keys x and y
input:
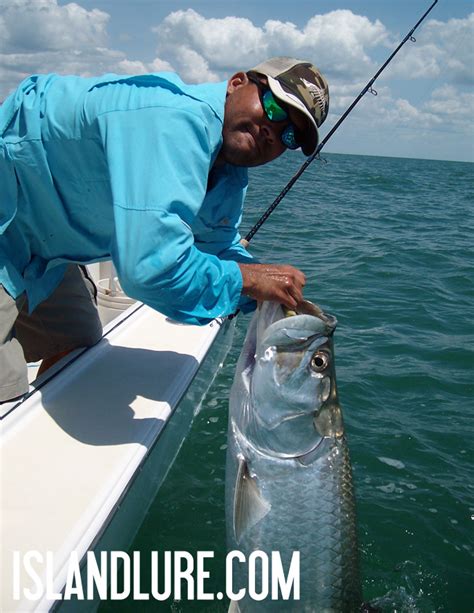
{"x": 301, "y": 85}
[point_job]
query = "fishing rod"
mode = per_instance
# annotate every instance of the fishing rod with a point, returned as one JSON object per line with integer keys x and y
{"x": 367, "y": 88}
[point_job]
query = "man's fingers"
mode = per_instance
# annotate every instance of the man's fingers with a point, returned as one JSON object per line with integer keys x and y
{"x": 292, "y": 277}
{"x": 295, "y": 294}
{"x": 291, "y": 291}
{"x": 290, "y": 302}
{"x": 279, "y": 282}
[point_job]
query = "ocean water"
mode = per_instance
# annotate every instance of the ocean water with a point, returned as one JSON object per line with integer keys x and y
{"x": 387, "y": 246}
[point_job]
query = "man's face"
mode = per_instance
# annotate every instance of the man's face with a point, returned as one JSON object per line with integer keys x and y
{"x": 249, "y": 137}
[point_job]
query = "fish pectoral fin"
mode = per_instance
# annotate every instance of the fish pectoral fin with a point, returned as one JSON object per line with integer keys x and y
{"x": 249, "y": 505}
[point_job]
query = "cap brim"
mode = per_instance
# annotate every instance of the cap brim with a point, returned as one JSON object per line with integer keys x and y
{"x": 311, "y": 137}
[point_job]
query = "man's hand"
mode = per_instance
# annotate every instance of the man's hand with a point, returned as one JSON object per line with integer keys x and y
{"x": 278, "y": 282}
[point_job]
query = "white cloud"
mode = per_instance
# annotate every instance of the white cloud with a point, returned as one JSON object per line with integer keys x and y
{"x": 223, "y": 43}
{"x": 340, "y": 43}
{"x": 443, "y": 49}
{"x": 41, "y": 36}
{"x": 448, "y": 109}
{"x": 340, "y": 40}
{"x": 456, "y": 38}
{"x": 402, "y": 113}
{"x": 159, "y": 65}
{"x": 453, "y": 106}
{"x": 42, "y": 25}
{"x": 132, "y": 67}
{"x": 337, "y": 42}
{"x": 194, "y": 67}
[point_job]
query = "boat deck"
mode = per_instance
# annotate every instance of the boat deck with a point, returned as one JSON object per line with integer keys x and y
{"x": 71, "y": 451}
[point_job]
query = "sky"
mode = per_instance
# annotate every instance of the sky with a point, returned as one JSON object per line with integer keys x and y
{"x": 424, "y": 106}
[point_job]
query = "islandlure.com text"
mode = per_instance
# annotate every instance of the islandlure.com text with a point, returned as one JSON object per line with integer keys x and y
{"x": 177, "y": 575}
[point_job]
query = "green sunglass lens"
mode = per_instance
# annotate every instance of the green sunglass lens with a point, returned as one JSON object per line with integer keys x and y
{"x": 273, "y": 110}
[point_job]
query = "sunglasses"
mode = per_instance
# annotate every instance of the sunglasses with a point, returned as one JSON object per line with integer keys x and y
{"x": 276, "y": 113}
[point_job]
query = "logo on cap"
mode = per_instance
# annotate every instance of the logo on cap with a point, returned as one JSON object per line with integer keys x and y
{"x": 316, "y": 92}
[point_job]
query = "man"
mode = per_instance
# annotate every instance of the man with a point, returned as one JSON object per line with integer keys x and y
{"x": 147, "y": 171}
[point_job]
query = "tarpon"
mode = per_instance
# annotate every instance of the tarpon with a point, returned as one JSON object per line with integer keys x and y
{"x": 288, "y": 474}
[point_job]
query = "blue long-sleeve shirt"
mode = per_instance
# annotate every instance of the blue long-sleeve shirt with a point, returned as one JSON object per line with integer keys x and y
{"x": 121, "y": 167}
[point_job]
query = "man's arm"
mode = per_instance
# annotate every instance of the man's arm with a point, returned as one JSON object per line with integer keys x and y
{"x": 217, "y": 231}
{"x": 216, "y": 227}
{"x": 158, "y": 167}
{"x": 158, "y": 160}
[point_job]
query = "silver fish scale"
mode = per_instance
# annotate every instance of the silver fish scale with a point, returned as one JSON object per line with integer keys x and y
{"x": 317, "y": 521}
{"x": 304, "y": 503}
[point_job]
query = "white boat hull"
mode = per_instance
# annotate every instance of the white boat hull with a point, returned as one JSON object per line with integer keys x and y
{"x": 84, "y": 455}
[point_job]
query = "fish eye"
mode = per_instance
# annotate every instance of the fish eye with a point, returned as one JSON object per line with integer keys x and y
{"x": 319, "y": 361}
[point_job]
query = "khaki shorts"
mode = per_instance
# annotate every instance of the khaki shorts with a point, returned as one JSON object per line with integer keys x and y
{"x": 66, "y": 320}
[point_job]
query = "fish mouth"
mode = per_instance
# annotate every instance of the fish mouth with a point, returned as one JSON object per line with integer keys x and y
{"x": 309, "y": 308}
{"x": 288, "y": 327}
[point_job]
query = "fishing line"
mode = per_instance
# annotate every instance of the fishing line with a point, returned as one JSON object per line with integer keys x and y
{"x": 367, "y": 88}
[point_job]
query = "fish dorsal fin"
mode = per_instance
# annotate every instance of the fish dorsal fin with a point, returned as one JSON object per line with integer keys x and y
{"x": 249, "y": 504}
{"x": 233, "y": 607}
